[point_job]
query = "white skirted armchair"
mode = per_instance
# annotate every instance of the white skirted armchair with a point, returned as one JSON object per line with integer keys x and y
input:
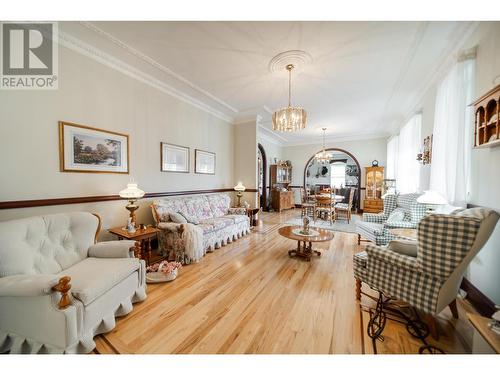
{"x": 58, "y": 287}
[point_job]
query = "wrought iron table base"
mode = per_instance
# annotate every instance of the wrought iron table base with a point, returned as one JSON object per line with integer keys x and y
{"x": 414, "y": 325}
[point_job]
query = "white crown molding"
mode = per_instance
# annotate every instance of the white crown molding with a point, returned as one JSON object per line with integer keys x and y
{"x": 271, "y": 134}
{"x": 339, "y": 139}
{"x": 155, "y": 64}
{"x": 269, "y": 139}
{"x": 75, "y": 44}
{"x": 448, "y": 56}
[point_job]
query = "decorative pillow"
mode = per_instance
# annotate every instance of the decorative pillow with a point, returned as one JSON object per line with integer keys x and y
{"x": 177, "y": 217}
{"x": 404, "y": 247}
{"x": 189, "y": 219}
{"x": 396, "y": 216}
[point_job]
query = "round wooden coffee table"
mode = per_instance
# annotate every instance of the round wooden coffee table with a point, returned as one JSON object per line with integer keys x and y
{"x": 304, "y": 243}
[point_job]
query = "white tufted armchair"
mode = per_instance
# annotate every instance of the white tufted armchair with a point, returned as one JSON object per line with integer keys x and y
{"x": 40, "y": 311}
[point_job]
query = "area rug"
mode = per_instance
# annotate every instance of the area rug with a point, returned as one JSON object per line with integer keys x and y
{"x": 339, "y": 225}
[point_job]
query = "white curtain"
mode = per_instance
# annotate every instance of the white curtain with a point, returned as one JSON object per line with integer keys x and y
{"x": 453, "y": 134}
{"x": 392, "y": 157}
{"x": 408, "y": 168}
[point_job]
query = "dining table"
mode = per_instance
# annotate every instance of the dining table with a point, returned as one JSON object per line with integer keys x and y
{"x": 323, "y": 197}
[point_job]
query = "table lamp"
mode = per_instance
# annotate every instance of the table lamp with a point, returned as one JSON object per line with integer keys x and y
{"x": 132, "y": 194}
{"x": 240, "y": 189}
{"x": 432, "y": 199}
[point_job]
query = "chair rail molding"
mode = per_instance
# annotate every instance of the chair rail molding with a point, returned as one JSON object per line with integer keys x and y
{"x": 6, "y": 205}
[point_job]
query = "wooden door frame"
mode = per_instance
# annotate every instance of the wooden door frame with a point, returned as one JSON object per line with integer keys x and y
{"x": 264, "y": 176}
{"x": 345, "y": 152}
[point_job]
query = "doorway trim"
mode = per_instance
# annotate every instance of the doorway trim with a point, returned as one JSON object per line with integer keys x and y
{"x": 345, "y": 152}
{"x": 264, "y": 176}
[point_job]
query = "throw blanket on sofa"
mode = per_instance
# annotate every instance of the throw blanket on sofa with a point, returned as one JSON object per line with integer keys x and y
{"x": 193, "y": 240}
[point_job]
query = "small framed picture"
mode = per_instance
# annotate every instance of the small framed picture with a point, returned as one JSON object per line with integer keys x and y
{"x": 174, "y": 158}
{"x": 91, "y": 150}
{"x": 204, "y": 162}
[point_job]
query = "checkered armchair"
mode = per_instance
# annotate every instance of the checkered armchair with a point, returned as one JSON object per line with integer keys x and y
{"x": 376, "y": 228}
{"x": 445, "y": 245}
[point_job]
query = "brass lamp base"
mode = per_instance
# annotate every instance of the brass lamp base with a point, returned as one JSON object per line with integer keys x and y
{"x": 132, "y": 207}
{"x": 239, "y": 195}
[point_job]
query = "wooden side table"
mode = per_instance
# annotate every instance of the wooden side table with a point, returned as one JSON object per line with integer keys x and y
{"x": 252, "y": 214}
{"x": 484, "y": 340}
{"x": 405, "y": 232}
{"x": 143, "y": 236}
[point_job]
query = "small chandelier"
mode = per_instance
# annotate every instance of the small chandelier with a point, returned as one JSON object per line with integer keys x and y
{"x": 322, "y": 157}
{"x": 289, "y": 119}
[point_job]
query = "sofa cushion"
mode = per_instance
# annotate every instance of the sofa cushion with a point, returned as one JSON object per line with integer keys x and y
{"x": 237, "y": 218}
{"x": 178, "y": 218}
{"x": 404, "y": 247}
{"x": 45, "y": 244}
{"x": 198, "y": 207}
{"x": 206, "y": 228}
{"x": 397, "y": 215}
{"x": 93, "y": 277}
{"x": 219, "y": 203}
{"x": 188, "y": 218}
{"x": 164, "y": 207}
{"x": 218, "y": 222}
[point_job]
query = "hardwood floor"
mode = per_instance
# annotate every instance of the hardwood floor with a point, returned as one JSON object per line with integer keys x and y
{"x": 250, "y": 297}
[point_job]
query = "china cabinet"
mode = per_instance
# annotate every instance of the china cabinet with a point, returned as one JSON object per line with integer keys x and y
{"x": 374, "y": 178}
{"x": 281, "y": 196}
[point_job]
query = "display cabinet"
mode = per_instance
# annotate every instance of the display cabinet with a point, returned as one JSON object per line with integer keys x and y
{"x": 281, "y": 197}
{"x": 374, "y": 178}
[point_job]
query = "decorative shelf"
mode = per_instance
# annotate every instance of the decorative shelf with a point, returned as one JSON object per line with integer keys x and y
{"x": 487, "y": 119}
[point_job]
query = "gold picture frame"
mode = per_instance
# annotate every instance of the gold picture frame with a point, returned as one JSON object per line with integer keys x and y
{"x": 80, "y": 152}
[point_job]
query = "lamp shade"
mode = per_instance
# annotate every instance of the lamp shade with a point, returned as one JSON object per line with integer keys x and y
{"x": 432, "y": 197}
{"x": 131, "y": 192}
{"x": 239, "y": 187}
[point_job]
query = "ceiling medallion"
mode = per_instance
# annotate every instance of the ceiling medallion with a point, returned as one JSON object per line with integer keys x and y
{"x": 289, "y": 119}
{"x": 297, "y": 58}
{"x": 322, "y": 157}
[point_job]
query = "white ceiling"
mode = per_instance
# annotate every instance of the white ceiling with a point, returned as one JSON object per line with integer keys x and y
{"x": 364, "y": 79}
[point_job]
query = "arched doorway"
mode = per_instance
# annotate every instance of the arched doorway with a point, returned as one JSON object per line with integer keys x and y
{"x": 339, "y": 150}
{"x": 262, "y": 177}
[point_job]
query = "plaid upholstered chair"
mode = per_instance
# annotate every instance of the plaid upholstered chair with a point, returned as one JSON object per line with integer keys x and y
{"x": 376, "y": 227}
{"x": 430, "y": 280}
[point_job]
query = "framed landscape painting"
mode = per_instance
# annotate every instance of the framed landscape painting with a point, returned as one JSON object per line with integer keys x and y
{"x": 204, "y": 162}
{"x": 91, "y": 150}
{"x": 174, "y": 158}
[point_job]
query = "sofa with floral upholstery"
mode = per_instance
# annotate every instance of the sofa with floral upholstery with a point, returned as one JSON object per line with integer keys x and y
{"x": 207, "y": 223}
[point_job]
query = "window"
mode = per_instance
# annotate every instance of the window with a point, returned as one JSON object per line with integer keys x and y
{"x": 337, "y": 174}
{"x": 402, "y": 150}
{"x": 452, "y": 138}
{"x": 392, "y": 157}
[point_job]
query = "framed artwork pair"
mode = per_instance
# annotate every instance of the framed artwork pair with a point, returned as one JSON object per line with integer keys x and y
{"x": 175, "y": 158}
{"x": 92, "y": 150}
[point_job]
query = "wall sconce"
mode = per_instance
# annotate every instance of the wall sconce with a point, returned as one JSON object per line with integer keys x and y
{"x": 425, "y": 157}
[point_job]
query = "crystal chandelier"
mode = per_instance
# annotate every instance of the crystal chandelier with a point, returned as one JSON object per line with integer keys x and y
{"x": 289, "y": 119}
{"x": 322, "y": 157}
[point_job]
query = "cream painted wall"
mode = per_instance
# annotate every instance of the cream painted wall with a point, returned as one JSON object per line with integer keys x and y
{"x": 485, "y": 173}
{"x": 245, "y": 159}
{"x": 365, "y": 151}
{"x": 272, "y": 150}
{"x": 93, "y": 94}
{"x": 485, "y": 167}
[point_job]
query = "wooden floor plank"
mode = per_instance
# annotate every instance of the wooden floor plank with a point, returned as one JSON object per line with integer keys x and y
{"x": 250, "y": 297}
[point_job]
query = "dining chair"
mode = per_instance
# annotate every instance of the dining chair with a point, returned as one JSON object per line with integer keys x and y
{"x": 308, "y": 205}
{"x": 345, "y": 208}
{"x": 325, "y": 206}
